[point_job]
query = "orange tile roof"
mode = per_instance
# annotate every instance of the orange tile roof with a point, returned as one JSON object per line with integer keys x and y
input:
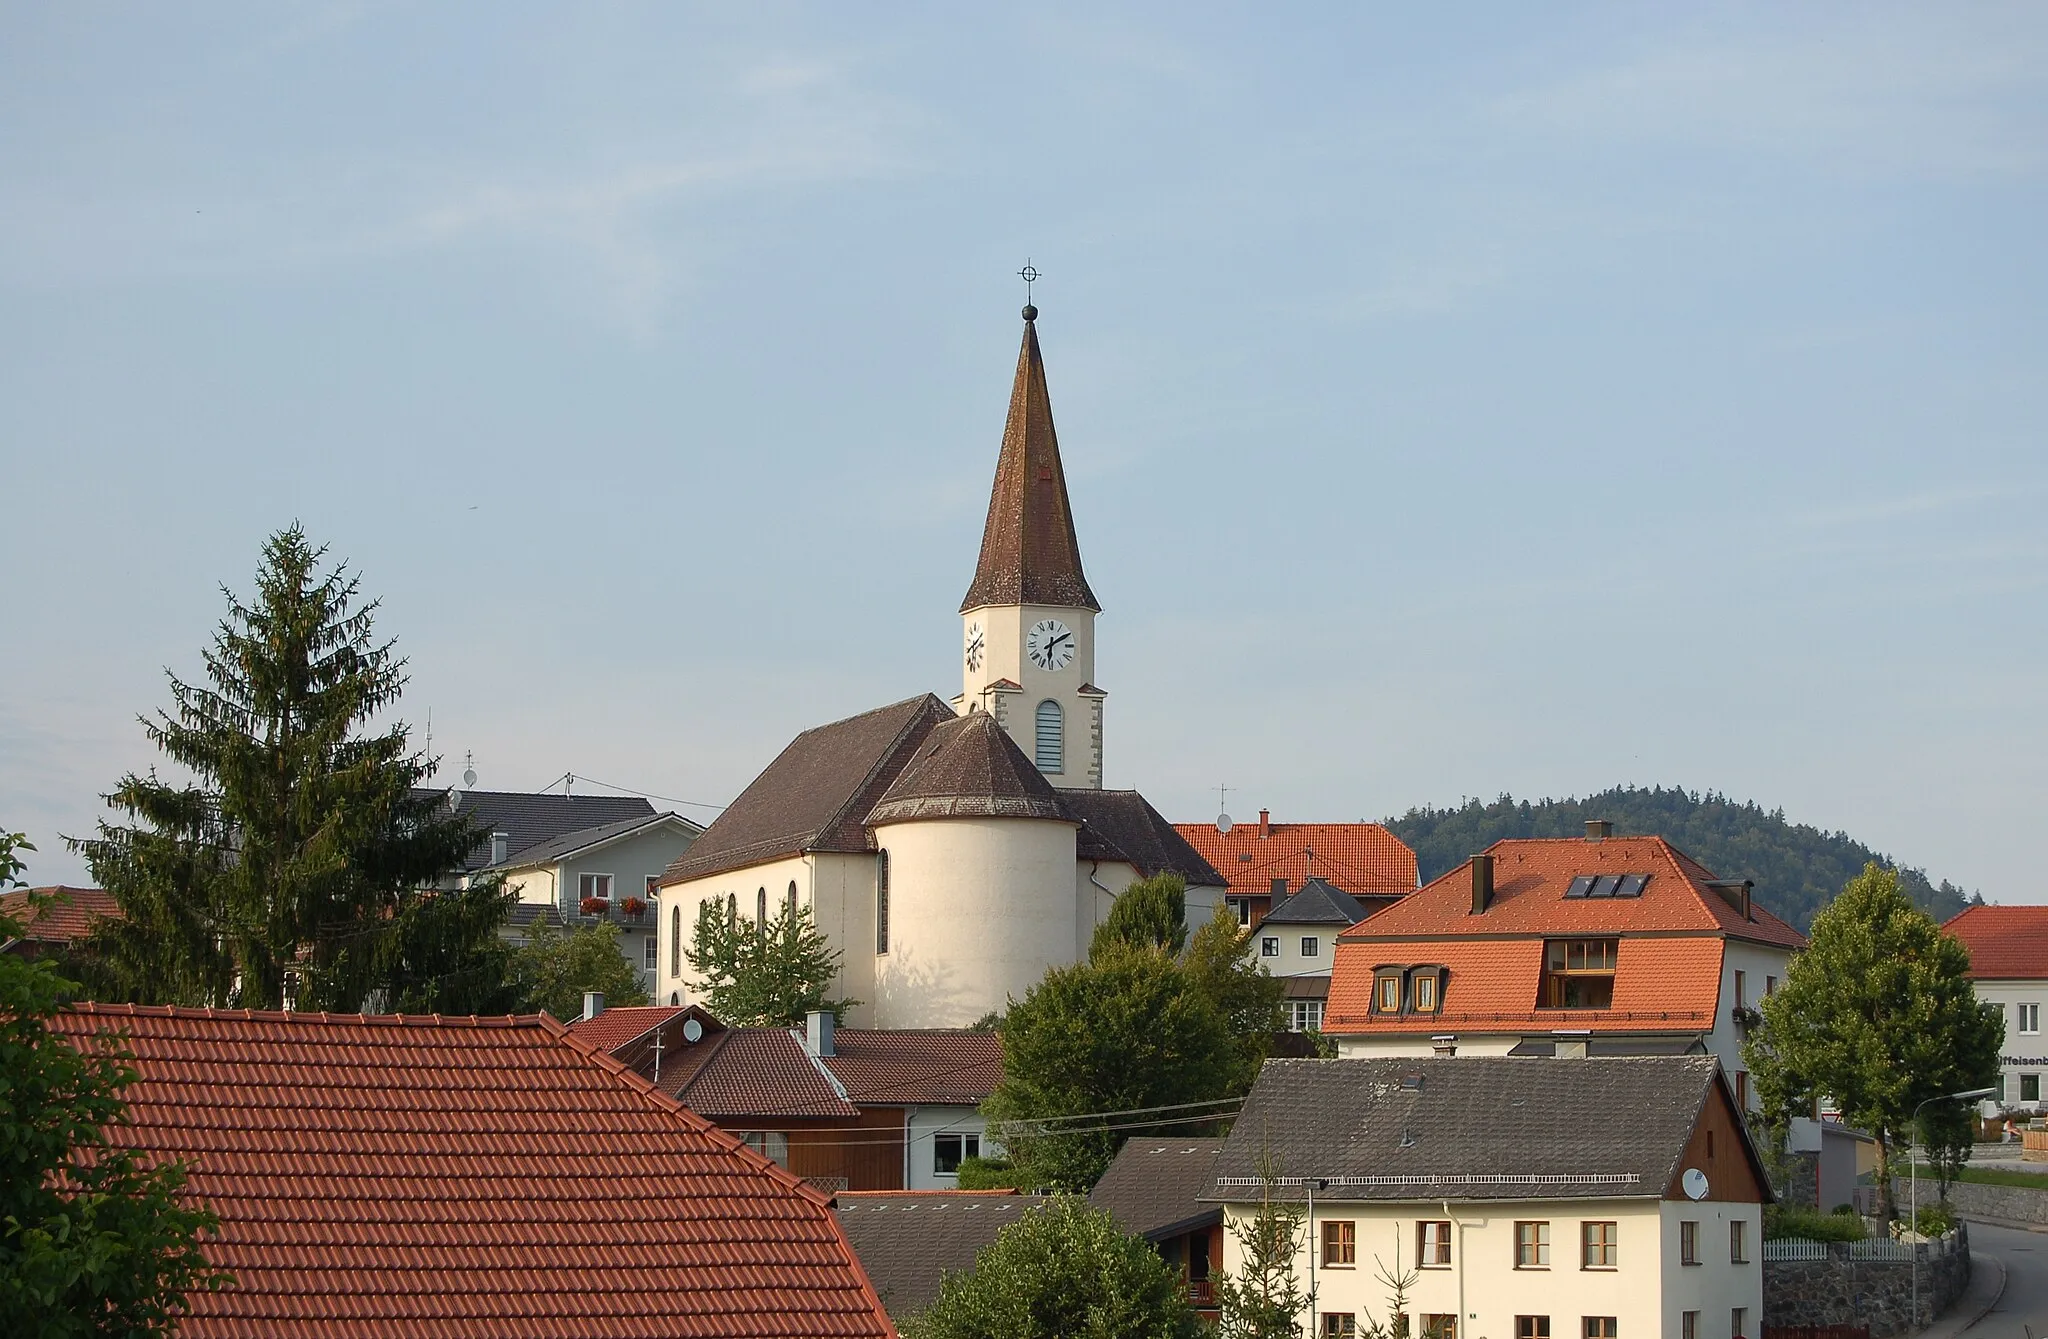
{"x": 1660, "y": 985}
{"x": 441, "y": 1178}
{"x": 68, "y": 916}
{"x": 1356, "y": 857}
{"x": 1530, "y": 877}
{"x": 2005, "y": 943}
{"x": 912, "y": 1067}
{"x": 615, "y": 1027}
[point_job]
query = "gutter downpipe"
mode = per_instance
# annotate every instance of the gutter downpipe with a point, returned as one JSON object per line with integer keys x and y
{"x": 1458, "y": 1262}
{"x": 1309, "y": 1231}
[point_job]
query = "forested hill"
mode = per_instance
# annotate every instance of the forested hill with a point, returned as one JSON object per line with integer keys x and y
{"x": 1797, "y": 868}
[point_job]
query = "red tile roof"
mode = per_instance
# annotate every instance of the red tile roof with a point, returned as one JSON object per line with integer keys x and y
{"x": 909, "y": 1067}
{"x": 2005, "y": 943}
{"x": 430, "y": 1178}
{"x": 1660, "y": 985}
{"x": 1356, "y": 857}
{"x": 750, "y": 1071}
{"x": 1530, "y": 878}
{"x": 615, "y": 1027}
{"x": 68, "y": 916}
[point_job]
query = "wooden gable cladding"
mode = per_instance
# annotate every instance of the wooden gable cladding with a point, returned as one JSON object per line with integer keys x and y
{"x": 867, "y": 1151}
{"x": 1720, "y": 1147}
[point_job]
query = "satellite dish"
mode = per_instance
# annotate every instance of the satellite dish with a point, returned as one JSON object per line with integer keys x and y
{"x": 1223, "y": 824}
{"x": 1693, "y": 1183}
{"x": 469, "y": 777}
{"x": 693, "y": 1031}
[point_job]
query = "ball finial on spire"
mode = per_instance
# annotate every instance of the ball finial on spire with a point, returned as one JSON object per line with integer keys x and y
{"x": 1030, "y": 312}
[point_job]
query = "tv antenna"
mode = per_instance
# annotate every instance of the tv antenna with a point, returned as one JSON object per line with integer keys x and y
{"x": 1223, "y": 810}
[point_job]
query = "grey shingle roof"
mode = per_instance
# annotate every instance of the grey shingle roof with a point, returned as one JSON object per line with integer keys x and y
{"x": 1419, "y": 1128}
{"x": 1123, "y": 825}
{"x": 568, "y": 843}
{"x": 817, "y": 792}
{"x": 1154, "y": 1187}
{"x": 527, "y": 820}
{"x": 909, "y": 1243}
{"x": 1319, "y": 903}
{"x": 968, "y": 768}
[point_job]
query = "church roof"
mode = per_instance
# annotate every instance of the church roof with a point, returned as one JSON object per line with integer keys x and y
{"x": 1123, "y": 825}
{"x": 817, "y": 792}
{"x": 1029, "y": 554}
{"x": 969, "y": 768}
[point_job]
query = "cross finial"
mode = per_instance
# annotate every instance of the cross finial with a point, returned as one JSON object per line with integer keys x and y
{"x": 1030, "y": 275}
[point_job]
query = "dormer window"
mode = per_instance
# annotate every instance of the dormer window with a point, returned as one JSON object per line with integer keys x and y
{"x": 1386, "y": 993}
{"x": 1425, "y": 992}
{"x": 1578, "y": 974}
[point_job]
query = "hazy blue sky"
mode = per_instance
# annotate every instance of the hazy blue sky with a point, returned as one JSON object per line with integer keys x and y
{"x": 1455, "y": 399}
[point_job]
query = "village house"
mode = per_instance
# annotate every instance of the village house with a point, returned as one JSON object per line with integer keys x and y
{"x": 1265, "y": 862}
{"x": 953, "y": 853}
{"x": 908, "y": 1241}
{"x": 1154, "y": 1189}
{"x": 1603, "y": 946}
{"x": 467, "y": 1178}
{"x": 843, "y": 1108}
{"x": 1509, "y": 1209}
{"x": 54, "y": 919}
{"x": 2009, "y": 968}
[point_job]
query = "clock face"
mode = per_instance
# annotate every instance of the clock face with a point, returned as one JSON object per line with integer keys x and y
{"x": 1050, "y": 644}
{"x": 976, "y": 644}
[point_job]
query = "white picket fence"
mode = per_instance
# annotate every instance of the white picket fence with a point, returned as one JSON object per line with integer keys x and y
{"x": 1798, "y": 1248}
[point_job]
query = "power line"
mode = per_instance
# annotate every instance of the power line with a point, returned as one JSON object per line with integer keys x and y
{"x": 632, "y": 790}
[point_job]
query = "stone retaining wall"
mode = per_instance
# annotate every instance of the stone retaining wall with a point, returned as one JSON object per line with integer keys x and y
{"x": 2016, "y": 1203}
{"x": 1839, "y": 1290}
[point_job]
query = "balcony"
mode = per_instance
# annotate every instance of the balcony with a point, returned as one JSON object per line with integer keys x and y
{"x": 1201, "y": 1292}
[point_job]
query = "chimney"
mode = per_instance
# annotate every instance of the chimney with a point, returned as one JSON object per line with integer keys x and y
{"x": 593, "y": 1004}
{"x": 1482, "y": 884}
{"x": 1598, "y": 829}
{"x": 1279, "y": 889}
{"x": 499, "y": 841}
{"x": 1443, "y": 1046}
{"x": 1265, "y": 822}
{"x": 819, "y": 1026}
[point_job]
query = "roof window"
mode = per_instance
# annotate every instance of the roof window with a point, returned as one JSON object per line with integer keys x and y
{"x": 1607, "y": 885}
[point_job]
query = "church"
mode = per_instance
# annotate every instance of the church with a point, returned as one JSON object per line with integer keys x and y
{"x": 954, "y": 851}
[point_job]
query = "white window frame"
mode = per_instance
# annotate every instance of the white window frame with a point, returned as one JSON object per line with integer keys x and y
{"x": 1269, "y": 946}
{"x": 1304, "y": 1015}
{"x": 1243, "y": 907}
{"x": 2030, "y": 1019}
{"x": 966, "y": 1144}
{"x": 652, "y": 954}
{"x": 593, "y": 885}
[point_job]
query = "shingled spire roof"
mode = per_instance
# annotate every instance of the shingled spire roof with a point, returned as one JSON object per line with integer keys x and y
{"x": 1028, "y": 551}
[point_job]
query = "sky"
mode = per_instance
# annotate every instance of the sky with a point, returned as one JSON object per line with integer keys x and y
{"x": 1455, "y": 400}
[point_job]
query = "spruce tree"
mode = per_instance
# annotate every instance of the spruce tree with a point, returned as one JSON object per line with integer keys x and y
{"x": 299, "y": 845}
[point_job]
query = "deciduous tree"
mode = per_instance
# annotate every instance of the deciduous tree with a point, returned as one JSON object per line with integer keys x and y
{"x": 1150, "y": 913}
{"x": 1062, "y": 1271}
{"x": 1876, "y": 1014}
{"x": 297, "y": 848}
{"x": 94, "y": 1240}
{"x": 552, "y": 970}
{"x": 1248, "y": 996}
{"x": 763, "y": 975}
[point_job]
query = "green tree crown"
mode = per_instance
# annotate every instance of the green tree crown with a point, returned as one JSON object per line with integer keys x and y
{"x": 769, "y": 975}
{"x": 552, "y": 970}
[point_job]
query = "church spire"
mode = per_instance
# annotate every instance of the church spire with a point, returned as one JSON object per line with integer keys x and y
{"x": 1029, "y": 554}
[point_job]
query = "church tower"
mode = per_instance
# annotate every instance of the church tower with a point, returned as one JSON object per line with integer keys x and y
{"x": 1028, "y": 622}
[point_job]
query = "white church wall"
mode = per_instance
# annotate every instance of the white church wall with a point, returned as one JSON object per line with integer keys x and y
{"x": 979, "y": 909}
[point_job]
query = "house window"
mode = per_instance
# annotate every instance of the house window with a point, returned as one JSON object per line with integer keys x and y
{"x": 1532, "y": 1248}
{"x": 1051, "y": 745}
{"x": 1433, "y": 1243}
{"x": 1308, "y": 946}
{"x": 1269, "y": 947}
{"x": 593, "y": 885}
{"x": 1532, "y": 1327}
{"x": 1425, "y": 993}
{"x": 1340, "y": 1324}
{"x": 1738, "y": 1322}
{"x": 1603, "y": 1327}
{"x": 1304, "y": 1015}
{"x": 1688, "y": 1325}
{"x": 1240, "y": 907}
{"x": 1688, "y": 1243}
{"x": 1741, "y": 990}
{"x": 675, "y": 941}
{"x": 1578, "y": 974}
{"x": 1599, "y": 1245}
{"x": 1770, "y": 985}
{"x": 881, "y": 901}
{"x": 1439, "y": 1325}
{"x": 2030, "y": 1018}
{"x": 1738, "y": 1242}
{"x": 1741, "y": 1090}
{"x": 949, "y": 1149}
{"x": 770, "y": 1144}
{"x": 2030, "y": 1087}
{"x": 651, "y": 887}
{"x": 652, "y": 953}
{"x": 1386, "y": 994}
{"x": 1340, "y": 1244}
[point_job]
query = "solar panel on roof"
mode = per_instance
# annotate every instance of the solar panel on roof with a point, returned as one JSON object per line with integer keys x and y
{"x": 1580, "y": 886}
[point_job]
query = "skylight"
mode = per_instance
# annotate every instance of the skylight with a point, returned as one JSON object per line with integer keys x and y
{"x": 1607, "y": 885}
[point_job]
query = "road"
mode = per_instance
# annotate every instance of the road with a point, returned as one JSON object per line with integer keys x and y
{"x": 2023, "y": 1311}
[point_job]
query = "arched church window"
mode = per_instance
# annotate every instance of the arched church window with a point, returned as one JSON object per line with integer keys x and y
{"x": 792, "y": 899}
{"x": 675, "y": 942}
{"x": 881, "y": 901}
{"x": 761, "y": 908}
{"x": 1051, "y": 738}
{"x": 732, "y": 910}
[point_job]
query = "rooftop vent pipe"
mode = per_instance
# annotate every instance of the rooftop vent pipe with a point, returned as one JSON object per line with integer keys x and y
{"x": 1482, "y": 884}
{"x": 819, "y": 1029}
{"x": 1598, "y": 829}
{"x": 499, "y": 842}
{"x": 593, "y": 1004}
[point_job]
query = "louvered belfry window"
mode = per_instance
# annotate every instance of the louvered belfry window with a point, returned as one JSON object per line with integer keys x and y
{"x": 1051, "y": 738}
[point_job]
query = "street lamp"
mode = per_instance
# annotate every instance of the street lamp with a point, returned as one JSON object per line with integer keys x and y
{"x": 1913, "y": 1179}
